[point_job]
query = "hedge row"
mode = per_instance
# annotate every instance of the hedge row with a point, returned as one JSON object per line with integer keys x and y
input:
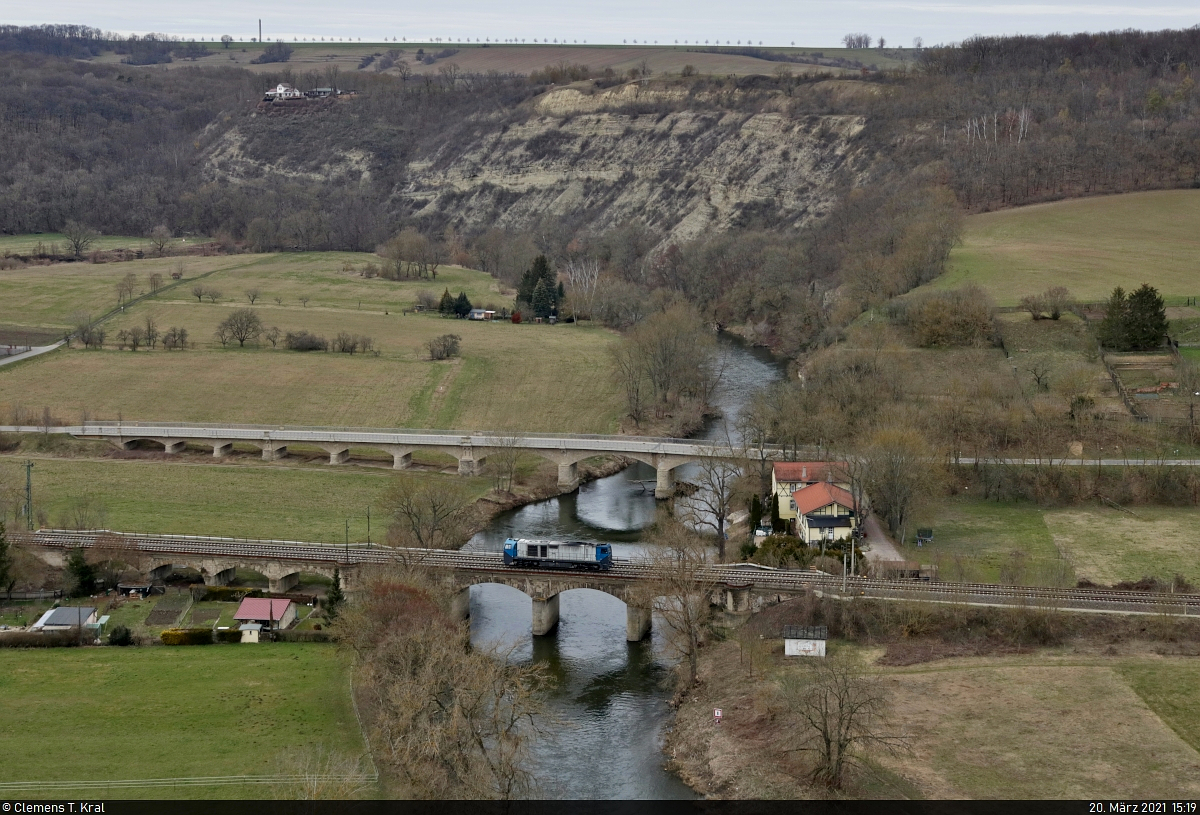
{"x": 33, "y": 639}
{"x": 187, "y": 636}
{"x": 301, "y": 636}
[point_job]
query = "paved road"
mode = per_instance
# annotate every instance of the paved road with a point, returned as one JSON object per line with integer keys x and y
{"x": 37, "y": 350}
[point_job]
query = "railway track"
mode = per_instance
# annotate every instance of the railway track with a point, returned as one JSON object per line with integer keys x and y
{"x": 762, "y": 582}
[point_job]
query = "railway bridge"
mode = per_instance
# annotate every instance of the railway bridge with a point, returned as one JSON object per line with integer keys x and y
{"x": 471, "y": 448}
{"x": 737, "y": 590}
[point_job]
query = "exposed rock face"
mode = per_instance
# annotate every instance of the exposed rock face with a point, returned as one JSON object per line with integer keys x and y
{"x": 688, "y": 170}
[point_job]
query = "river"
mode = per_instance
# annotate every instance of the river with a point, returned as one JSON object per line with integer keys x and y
{"x": 609, "y": 706}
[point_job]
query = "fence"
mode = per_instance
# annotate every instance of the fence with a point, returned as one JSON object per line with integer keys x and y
{"x": 42, "y": 594}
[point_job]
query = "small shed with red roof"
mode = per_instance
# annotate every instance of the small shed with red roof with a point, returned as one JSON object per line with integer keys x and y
{"x": 269, "y": 613}
{"x": 824, "y": 511}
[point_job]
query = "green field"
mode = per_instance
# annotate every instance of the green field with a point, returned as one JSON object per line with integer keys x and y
{"x": 233, "y": 500}
{"x": 531, "y": 377}
{"x": 1089, "y": 245}
{"x": 975, "y": 540}
{"x": 27, "y": 244}
{"x": 146, "y": 713}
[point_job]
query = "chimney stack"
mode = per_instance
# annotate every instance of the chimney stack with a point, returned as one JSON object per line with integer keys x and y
{"x": 804, "y": 473}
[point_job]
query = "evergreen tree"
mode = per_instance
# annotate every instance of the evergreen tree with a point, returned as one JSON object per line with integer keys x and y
{"x": 336, "y": 597}
{"x": 543, "y": 300}
{"x": 538, "y": 272}
{"x": 462, "y": 306}
{"x": 1113, "y": 326}
{"x": 83, "y": 574}
{"x": 446, "y": 306}
{"x": 1146, "y": 319}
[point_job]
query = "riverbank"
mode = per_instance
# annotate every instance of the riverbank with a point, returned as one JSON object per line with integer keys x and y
{"x": 541, "y": 486}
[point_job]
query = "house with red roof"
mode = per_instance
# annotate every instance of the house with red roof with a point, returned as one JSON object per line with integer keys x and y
{"x": 269, "y": 613}
{"x": 824, "y": 511}
{"x": 789, "y": 476}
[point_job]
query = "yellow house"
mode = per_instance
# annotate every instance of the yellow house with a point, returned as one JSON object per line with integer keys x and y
{"x": 789, "y": 476}
{"x": 824, "y": 511}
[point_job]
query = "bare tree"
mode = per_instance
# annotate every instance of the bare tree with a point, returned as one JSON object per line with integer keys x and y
{"x": 160, "y": 238}
{"x": 504, "y": 454}
{"x": 629, "y": 374}
{"x": 839, "y": 712}
{"x": 213, "y": 295}
{"x": 243, "y": 324}
{"x": 84, "y": 510}
{"x": 304, "y": 298}
{"x": 315, "y": 773}
{"x": 427, "y": 512}
{"x": 126, "y": 286}
{"x": 900, "y": 474}
{"x": 712, "y": 502}
{"x": 449, "y": 719}
{"x": 156, "y": 281}
{"x": 252, "y": 295}
{"x": 272, "y": 334}
{"x": 198, "y": 291}
{"x": 583, "y": 277}
{"x": 679, "y": 559}
{"x": 79, "y": 237}
{"x": 150, "y": 328}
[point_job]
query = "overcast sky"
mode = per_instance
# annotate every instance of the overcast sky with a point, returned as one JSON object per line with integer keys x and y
{"x": 774, "y": 22}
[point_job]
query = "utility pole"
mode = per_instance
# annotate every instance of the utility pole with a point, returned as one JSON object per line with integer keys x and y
{"x": 347, "y": 540}
{"x": 368, "y": 526}
{"x": 29, "y": 495}
{"x": 260, "y": 29}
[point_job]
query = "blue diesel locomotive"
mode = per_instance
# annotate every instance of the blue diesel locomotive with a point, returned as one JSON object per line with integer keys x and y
{"x": 547, "y": 554}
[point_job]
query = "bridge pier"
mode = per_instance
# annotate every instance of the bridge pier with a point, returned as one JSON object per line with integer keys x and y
{"x": 460, "y": 605}
{"x": 545, "y": 615}
{"x": 221, "y": 578}
{"x": 284, "y": 584}
{"x": 174, "y": 446}
{"x": 664, "y": 486}
{"x": 222, "y": 448}
{"x": 637, "y": 622}
{"x": 469, "y": 464}
{"x": 273, "y": 452}
{"x": 338, "y": 456}
{"x": 568, "y": 476}
{"x": 401, "y": 461}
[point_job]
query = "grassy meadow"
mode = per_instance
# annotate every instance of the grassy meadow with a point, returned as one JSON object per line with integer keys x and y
{"x": 49, "y": 241}
{"x": 134, "y": 713}
{"x": 525, "y": 58}
{"x": 1089, "y": 245}
{"x": 246, "y": 500}
{"x": 1047, "y": 727}
{"x": 977, "y": 541}
{"x": 531, "y": 377}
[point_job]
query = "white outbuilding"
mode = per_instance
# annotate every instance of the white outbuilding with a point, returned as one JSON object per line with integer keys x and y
{"x": 804, "y": 640}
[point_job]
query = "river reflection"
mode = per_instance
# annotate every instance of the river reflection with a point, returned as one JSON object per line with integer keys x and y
{"x": 609, "y": 707}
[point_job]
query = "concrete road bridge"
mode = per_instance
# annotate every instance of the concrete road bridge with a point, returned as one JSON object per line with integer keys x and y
{"x": 471, "y": 448}
{"x": 737, "y": 590}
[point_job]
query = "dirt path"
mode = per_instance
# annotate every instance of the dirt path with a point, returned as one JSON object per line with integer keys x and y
{"x": 881, "y": 547}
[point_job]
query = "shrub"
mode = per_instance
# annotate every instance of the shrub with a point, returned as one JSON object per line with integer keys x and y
{"x": 302, "y": 636}
{"x": 187, "y": 636}
{"x": 444, "y": 347}
{"x": 304, "y": 341}
{"x": 228, "y": 636}
{"x": 120, "y": 635}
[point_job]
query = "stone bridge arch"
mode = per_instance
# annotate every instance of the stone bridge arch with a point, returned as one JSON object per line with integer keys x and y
{"x": 544, "y": 589}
